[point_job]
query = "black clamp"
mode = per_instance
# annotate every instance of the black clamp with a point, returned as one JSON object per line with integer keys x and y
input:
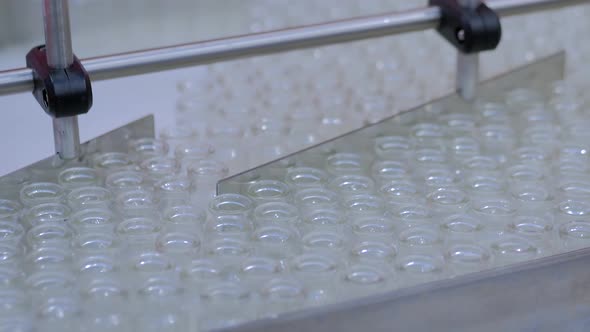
{"x": 61, "y": 92}
{"x": 470, "y": 30}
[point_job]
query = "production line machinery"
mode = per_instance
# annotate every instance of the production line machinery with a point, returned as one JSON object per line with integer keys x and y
{"x": 61, "y": 83}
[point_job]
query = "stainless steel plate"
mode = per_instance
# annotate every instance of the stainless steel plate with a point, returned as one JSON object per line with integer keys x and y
{"x": 547, "y": 294}
{"x": 47, "y": 169}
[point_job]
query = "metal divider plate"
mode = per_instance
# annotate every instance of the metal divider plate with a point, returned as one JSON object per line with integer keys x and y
{"x": 47, "y": 169}
{"x": 547, "y": 294}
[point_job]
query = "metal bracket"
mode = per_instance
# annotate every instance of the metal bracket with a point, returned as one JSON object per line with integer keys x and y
{"x": 60, "y": 92}
{"x": 470, "y": 29}
{"x": 471, "y": 26}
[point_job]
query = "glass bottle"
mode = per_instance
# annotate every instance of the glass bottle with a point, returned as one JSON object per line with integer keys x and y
{"x": 393, "y": 147}
{"x": 495, "y": 211}
{"x": 281, "y": 295}
{"x": 256, "y": 270}
{"x": 225, "y": 304}
{"x": 60, "y": 311}
{"x": 49, "y": 234}
{"x": 574, "y": 234}
{"x": 311, "y": 198}
{"x": 465, "y": 256}
{"x": 75, "y": 177}
{"x": 364, "y": 205}
{"x": 316, "y": 271}
{"x": 275, "y": 240}
{"x": 92, "y": 264}
{"x": 89, "y": 197}
{"x": 363, "y": 279}
{"x": 373, "y": 250}
{"x": 464, "y": 147}
{"x": 156, "y": 168}
{"x": 387, "y": 170}
{"x": 229, "y": 225}
{"x": 10, "y": 210}
{"x": 276, "y": 213}
{"x": 190, "y": 152}
{"x": 497, "y": 140}
{"x": 326, "y": 241}
{"x": 173, "y": 191}
{"x": 510, "y": 248}
{"x": 161, "y": 300}
{"x": 446, "y": 201}
{"x": 533, "y": 196}
{"x": 109, "y": 162}
{"x": 11, "y": 232}
{"x": 374, "y": 228}
{"x": 463, "y": 226}
{"x": 144, "y": 148}
{"x": 178, "y": 244}
{"x": 17, "y": 314}
{"x": 41, "y": 192}
{"x": 262, "y": 191}
{"x": 227, "y": 251}
{"x": 306, "y": 177}
{"x": 186, "y": 216}
{"x": 348, "y": 185}
{"x": 47, "y": 212}
{"x": 144, "y": 266}
{"x": 136, "y": 203}
{"x": 125, "y": 180}
{"x": 325, "y": 218}
{"x": 93, "y": 220}
{"x": 11, "y": 260}
{"x": 425, "y": 238}
{"x": 345, "y": 164}
{"x": 101, "y": 242}
{"x": 139, "y": 233}
{"x": 204, "y": 175}
{"x": 538, "y": 226}
{"x": 105, "y": 304}
{"x": 410, "y": 215}
{"x": 228, "y": 143}
{"x": 401, "y": 192}
{"x": 418, "y": 268}
{"x": 230, "y": 204}
{"x": 200, "y": 273}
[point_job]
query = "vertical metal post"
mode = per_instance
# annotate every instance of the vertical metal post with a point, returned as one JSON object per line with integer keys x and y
{"x": 467, "y": 65}
{"x": 58, "y": 45}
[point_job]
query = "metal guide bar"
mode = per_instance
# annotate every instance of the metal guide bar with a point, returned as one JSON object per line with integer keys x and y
{"x": 178, "y": 56}
{"x": 58, "y": 45}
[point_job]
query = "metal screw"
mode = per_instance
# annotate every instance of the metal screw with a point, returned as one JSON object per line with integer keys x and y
{"x": 461, "y": 35}
{"x": 45, "y": 98}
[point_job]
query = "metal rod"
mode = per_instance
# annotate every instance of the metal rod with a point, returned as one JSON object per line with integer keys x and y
{"x": 507, "y": 8}
{"x": 467, "y": 66}
{"x": 262, "y": 43}
{"x": 153, "y": 60}
{"x": 58, "y": 45}
{"x": 467, "y": 75}
{"x": 58, "y": 39}
{"x": 66, "y": 136}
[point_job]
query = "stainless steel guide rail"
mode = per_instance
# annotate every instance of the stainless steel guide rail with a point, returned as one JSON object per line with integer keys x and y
{"x": 178, "y": 56}
{"x": 58, "y": 43}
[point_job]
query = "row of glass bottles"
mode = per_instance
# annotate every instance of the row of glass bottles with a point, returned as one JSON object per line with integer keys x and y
{"x": 137, "y": 239}
{"x": 272, "y": 98}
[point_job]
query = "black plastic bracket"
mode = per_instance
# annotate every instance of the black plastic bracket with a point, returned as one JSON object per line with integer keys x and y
{"x": 61, "y": 92}
{"x": 470, "y": 30}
